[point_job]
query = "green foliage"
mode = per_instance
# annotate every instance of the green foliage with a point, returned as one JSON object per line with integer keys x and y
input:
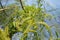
{"x": 30, "y": 21}
{"x": 27, "y": 22}
{"x": 3, "y": 35}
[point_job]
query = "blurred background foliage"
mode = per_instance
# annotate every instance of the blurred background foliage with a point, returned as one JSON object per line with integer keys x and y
{"x": 21, "y": 21}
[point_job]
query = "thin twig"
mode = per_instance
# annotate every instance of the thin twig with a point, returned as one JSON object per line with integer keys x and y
{"x": 2, "y": 8}
{"x": 22, "y": 5}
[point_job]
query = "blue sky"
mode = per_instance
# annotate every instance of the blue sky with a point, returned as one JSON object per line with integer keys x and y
{"x": 55, "y": 3}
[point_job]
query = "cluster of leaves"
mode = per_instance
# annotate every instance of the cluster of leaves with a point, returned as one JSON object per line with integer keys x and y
{"x": 27, "y": 22}
{"x": 3, "y": 35}
{"x": 30, "y": 20}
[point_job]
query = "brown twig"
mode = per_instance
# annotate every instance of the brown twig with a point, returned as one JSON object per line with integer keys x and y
{"x": 22, "y": 5}
{"x": 2, "y": 8}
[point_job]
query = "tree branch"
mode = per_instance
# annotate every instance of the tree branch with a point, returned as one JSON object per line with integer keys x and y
{"x": 22, "y": 5}
{"x": 2, "y": 8}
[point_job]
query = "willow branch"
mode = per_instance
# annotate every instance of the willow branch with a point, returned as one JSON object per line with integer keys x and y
{"x": 22, "y": 5}
{"x": 2, "y": 8}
